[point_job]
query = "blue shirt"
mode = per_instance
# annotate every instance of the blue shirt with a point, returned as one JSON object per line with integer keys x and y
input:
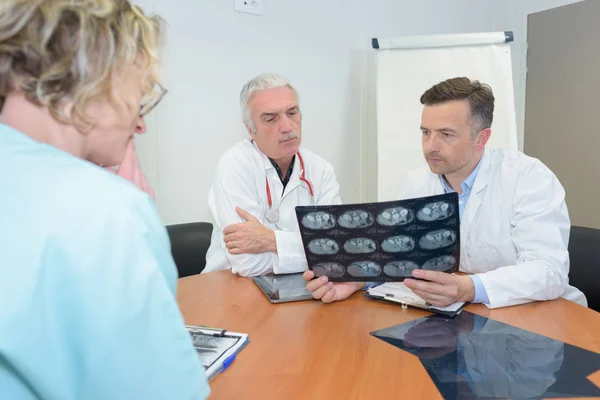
{"x": 466, "y": 187}
{"x": 87, "y": 284}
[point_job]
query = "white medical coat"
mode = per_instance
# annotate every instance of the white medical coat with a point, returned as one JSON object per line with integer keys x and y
{"x": 514, "y": 230}
{"x": 240, "y": 182}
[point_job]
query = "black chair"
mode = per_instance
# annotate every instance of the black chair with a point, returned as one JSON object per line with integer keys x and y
{"x": 189, "y": 244}
{"x": 584, "y": 252}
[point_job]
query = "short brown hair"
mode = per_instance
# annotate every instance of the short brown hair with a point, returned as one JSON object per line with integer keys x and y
{"x": 479, "y": 95}
{"x": 70, "y": 50}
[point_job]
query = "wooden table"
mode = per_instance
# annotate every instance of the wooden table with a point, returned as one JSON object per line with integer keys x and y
{"x": 310, "y": 350}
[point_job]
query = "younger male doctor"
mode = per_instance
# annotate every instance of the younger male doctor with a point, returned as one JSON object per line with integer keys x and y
{"x": 260, "y": 181}
{"x": 514, "y": 221}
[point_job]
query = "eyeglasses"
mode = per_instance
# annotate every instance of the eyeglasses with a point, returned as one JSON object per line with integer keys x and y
{"x": 150, "y": 100}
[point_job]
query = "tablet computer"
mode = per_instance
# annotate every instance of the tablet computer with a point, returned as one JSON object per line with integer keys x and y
{"x": 283, "y": 288}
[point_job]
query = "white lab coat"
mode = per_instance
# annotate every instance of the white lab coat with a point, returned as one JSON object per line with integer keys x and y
{"x": 240, "y": 181}
{"x": 514, "y": 230}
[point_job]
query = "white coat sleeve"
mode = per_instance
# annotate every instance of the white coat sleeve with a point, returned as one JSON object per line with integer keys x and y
{"x": 234, "y": 187}
{"x": 540, "y": 229}
{"x": 289, "y": 244}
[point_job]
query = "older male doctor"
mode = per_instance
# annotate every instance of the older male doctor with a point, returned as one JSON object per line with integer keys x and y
{"x": 260, "y": 181}
{"x": 514, "y": 220}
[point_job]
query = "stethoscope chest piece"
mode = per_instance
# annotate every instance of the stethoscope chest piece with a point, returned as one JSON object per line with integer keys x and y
{"x": 272, "y": 215}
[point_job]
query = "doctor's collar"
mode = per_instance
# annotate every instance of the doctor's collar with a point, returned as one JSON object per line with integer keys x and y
{"x": 286, "y": 179}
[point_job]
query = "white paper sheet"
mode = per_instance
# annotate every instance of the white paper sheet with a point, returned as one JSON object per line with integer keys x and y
{"x": 398, "y": 291}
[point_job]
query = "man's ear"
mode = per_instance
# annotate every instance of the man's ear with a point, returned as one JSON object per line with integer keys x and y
{"x": 482, "y": 138}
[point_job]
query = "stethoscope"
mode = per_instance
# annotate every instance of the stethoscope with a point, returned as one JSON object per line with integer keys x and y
{"x": 273, "y": 213}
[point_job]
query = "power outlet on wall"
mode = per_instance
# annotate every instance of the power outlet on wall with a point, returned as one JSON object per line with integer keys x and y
{"x": 249, "y": 6}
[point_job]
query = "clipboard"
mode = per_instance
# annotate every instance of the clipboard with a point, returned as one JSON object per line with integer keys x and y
{"x": 400, "y": 295}
{"x": 217, "y": 348}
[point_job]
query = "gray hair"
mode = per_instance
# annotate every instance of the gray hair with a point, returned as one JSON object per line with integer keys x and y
{"x": 261, "y": 82}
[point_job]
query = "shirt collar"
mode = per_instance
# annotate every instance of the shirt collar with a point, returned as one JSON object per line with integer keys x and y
{"x": 284, "y": 179}
{"x": 468, "y": 183}
{"x": 471, "y": 178}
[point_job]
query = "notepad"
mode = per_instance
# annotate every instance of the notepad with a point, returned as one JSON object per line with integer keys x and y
{"x": 216, "y": 348}
{"x": 397, "y": 292}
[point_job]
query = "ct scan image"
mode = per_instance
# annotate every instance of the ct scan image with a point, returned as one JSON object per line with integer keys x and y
{"x": 400, "y": 268}
{"x": 439, "y": 263}
{"x": 323, "y": 246}
{"x": 355, "y": 219}
{"x": 318, "y": 220}
{"x": 364, "y": 269}
{"x": 331, "y": 269}
{"x": 360, "y": 246}
{"x": 381, "y": 242}
{"x": 437, "y": 239}
{"x": 395, "y": 216}
{"x": 435, "y": 211}
{"x": 399, "y": 243}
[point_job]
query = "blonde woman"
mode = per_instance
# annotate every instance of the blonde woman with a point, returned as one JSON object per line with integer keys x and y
{"x": 87, "y": 282}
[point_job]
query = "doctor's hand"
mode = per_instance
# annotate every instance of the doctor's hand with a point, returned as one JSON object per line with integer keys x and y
{"x": 328, "y": 292}
{"x": 250, "y": 237}
{"x": 441, "y": 289}
{"x": 131, "y": 170}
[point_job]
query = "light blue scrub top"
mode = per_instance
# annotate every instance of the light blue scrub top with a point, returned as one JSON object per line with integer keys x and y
{"x": 87, "y": 285}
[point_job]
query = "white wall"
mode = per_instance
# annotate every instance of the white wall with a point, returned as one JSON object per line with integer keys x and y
{"x": 320, "y": 45}
{"x": 514, "y": 17}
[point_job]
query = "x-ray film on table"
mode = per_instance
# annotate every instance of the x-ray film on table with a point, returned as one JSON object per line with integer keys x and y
{"x": 378, "y": 242}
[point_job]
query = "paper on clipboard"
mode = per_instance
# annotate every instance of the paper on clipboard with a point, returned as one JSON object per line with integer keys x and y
{"x": 214, "y": 346}
{"x": 397, "y": 291}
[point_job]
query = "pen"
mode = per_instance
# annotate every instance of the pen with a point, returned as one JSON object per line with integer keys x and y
{"x": 227, "y": 363}
{"x": 218, "y": 332}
